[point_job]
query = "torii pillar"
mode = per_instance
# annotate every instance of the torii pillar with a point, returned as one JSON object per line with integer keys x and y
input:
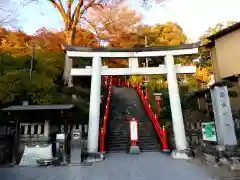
{"x": 94, "y": 109}
{"x": 176, "y": 110}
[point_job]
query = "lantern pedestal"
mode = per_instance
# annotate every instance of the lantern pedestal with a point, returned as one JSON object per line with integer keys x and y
{"x": 134, "y": 149}
{"x": 180, "y": 154}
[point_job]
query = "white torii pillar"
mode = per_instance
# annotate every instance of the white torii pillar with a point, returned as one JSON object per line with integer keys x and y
{"x": 94, "y": 110}
{"x": 176, "y": 110}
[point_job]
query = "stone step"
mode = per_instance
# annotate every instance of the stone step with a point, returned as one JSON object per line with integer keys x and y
{"x": 117, "y": 140}
{"x": 149, "y": 141}
{"x": 118, "y": 133}
{"x": 118, "y": 136}
{"x": 148, "y": 144}
{"x": 145, "y": 130}
{"x": 150, "y": 150}
{"x": 148, "y": 137}
{"x": 120, "y": 141}
{"x": 118, "y": 144}
{"x": 153, "y": 146}
{"x": 118, "y": 149}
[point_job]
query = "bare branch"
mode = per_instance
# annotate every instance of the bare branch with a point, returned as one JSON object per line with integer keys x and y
{"x": 6, "y": 13}
{"x": 69, "y": 8}
{"x": 90, "y": 23}
{"x": 96, "y": 30}
{"x": 59, "y": 8}
{"x": 76, "y": 14}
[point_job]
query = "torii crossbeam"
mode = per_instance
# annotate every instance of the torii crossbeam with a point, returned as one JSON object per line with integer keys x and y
{"x": 97, "y": 70}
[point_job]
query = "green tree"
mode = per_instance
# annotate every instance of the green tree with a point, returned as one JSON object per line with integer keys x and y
{"x": 16, "y": 83}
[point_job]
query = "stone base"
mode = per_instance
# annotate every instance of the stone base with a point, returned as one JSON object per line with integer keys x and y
{"x": 234, "y": 168}
{"x": 45, "y": 162}
{"x": 234, "y": 164}
{"x": 95, "y": 157}
{"x": 210, "y": 160}
{"x": 166, "y": 150}
{"x": 180, "y": 154}
{"x": 134, "y": 150}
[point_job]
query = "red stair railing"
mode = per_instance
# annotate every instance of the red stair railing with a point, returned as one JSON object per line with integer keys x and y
{"x": 106, "y": 114}
{"x": 161, "y": 132}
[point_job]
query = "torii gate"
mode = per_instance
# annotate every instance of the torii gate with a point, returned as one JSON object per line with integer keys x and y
{"x": 97, "y": 70}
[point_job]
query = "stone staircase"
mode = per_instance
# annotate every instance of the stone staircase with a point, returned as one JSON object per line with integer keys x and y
{"x": 117, "y": 139}
{"x": 126, "y": 104}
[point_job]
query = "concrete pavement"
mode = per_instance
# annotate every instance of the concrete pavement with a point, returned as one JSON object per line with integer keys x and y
{"x": 145, "y": 166}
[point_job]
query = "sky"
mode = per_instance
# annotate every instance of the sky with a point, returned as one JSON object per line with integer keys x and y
{"x": 194, "y": 16}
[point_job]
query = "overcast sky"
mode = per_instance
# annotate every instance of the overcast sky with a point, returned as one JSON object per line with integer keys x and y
{"x": 194, "y": 16}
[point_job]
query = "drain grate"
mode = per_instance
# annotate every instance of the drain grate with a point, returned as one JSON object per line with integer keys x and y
{"x": 87, "y": 164}
{"x": 233, "y": 177}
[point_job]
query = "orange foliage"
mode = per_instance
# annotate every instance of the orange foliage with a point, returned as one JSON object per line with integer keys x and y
{"x": 116, "y": 63}
{"x": 43, "y": 39}
{"x": 116, "y": 24}
{"x": 203, "y": 74}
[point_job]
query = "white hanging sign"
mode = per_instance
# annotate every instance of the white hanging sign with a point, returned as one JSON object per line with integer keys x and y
{"x": 134, "y": 130}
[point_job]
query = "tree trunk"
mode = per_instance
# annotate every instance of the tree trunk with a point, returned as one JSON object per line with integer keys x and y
{"x": 69, "y": 40}
{"x": 69, "y": 36}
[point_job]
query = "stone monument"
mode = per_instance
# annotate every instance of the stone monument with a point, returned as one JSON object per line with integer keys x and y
{"x": 223, "y": 116}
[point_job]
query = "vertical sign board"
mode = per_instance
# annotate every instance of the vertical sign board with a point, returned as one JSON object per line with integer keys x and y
{"x": 223, "y": 116}
{"x": 134, "y": 130}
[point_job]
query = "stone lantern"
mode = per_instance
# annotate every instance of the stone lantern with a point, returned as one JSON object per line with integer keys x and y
{"x": 145, "y": 83}
{"x": 158, "y": 97}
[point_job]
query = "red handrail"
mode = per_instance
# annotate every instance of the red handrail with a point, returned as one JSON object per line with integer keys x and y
{"x": 161, "y": 132}
{"x": 150, "y": 113}
{"x": 104, "y": 127}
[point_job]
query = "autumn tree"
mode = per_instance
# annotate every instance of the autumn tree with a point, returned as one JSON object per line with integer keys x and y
{"x": 52, "y": 41}
{"x": 72, "y": 11}
{"x": 115, "y": 24}
{"x": 169, "y": 34}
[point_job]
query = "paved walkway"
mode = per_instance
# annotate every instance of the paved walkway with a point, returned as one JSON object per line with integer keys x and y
{"x": 145, "y": 166}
